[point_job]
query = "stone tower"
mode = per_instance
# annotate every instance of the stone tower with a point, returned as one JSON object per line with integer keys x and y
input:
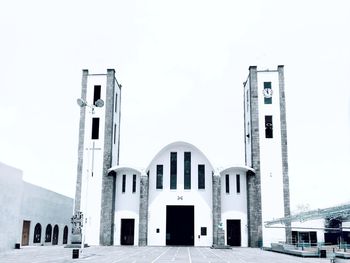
{"x": 266, "y": 152}
{"x": 98, "y": 151}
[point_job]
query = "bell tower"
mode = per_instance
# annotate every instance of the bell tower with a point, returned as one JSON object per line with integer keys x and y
{"x": 98, "y": 151}
{"x": 266, "y": 152}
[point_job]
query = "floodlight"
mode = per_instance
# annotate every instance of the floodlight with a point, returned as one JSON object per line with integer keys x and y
{"x": 81, "y": 102}
{"x": 99, "y": 103}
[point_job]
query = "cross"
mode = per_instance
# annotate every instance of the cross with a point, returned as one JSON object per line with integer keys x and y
{"x": 93, "y": 149}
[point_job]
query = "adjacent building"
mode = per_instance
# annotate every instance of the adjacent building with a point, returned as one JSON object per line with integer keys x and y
{"x": 31, "y": 215}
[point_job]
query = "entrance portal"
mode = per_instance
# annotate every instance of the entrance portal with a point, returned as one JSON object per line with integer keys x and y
{"x": 180, "y": 225}
{"x": 127, "y": 232}
{"x": 233, "y": 232}
{"x": 25, "y": 233}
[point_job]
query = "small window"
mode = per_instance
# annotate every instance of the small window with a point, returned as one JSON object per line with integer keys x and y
{"x": 203, "y": 231}
{"x": 97, "y": 93}
{"x": 123, "y": 183}
{"x": 173, "y": 170}
{"x": 238, "y": 183}
{"x": 268, "y": 127}
{"x": 227, "y": 183}
{"x": 187, "y": 170}
{"x": 247, "y": 102}
{"x": 95, "y": 128}
{"x": 267, "y": 85}
{"x": 116, "y": 103}
{"x": 268, "y": 93}
{"x": 157, "y": 230}
{"x": 159, "y": 180}
{"x": 134, "y": 183}
{"x": 201, "y": 176}
{"x": 115, "y": 132}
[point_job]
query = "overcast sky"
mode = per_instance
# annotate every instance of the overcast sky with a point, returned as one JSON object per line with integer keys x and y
{"x": 182, "y": 65}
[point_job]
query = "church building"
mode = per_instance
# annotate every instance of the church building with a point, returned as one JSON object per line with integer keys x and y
{"x": 180, "y": 198}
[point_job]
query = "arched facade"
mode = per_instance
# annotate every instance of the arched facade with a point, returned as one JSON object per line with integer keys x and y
{"x": 179, "y": 199}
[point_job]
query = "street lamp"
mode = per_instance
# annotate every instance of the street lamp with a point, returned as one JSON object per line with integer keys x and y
{"x": 79, "y": 226}
{"x": 98, "y": 103}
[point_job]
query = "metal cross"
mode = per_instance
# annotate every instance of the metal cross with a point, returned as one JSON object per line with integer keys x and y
{"x": 93, "y": 149}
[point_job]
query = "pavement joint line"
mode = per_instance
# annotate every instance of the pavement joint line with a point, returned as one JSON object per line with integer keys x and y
{"x": 189, "y": 255}
{"x": 160, "y": 255}
{"x": 127, "y": 256}
{"x": 219, "y": 257}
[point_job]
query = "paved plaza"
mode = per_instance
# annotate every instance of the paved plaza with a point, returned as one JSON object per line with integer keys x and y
{"x": 59, "y": 254}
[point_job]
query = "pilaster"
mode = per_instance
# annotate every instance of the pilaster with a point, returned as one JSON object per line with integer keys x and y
{"x": 108, "y": 182}
{"x": 77, "y": 200}
{"x": 143, "y": 213}
{"x": 284, "y": 151}
{"x": 216, "y": 208}
{"x": 254, "y": 181}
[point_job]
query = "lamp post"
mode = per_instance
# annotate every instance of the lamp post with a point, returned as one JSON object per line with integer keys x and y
{"x": 79, "y": 226}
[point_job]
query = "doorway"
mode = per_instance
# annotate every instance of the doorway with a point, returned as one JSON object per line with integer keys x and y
{"x": 180, "y": 225}
{"x": 233, "y": 227}
{"x": 127, "y": 232}
{"x": 25, "y": 233}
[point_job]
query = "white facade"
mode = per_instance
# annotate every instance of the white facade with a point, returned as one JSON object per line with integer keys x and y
{"x": 234, "y": 200}
{"x": 10, "y": 200}
{"x": 93, "y": 155}
{"x": 264, "y": 151}
{"x": 200, "y": 199}
{"x": 23, "y": 202}
{"x": 272, "y": 200}
{"x": 127, "y": 201}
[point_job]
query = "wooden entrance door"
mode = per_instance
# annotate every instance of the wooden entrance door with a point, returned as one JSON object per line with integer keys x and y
{"x": 25, "y": 233}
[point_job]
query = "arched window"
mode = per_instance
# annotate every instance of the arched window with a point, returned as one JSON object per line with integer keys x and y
{"x": 37, "y": 233}
{"x": 65, "y": 235}
{"x": 55, "y": 235}
{"x": 48, "y": 233}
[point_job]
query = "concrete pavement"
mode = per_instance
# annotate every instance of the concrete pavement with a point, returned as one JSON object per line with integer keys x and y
{"x": 114, "y": 254}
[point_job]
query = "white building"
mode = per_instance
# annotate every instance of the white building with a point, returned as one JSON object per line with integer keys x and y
{"x": 180, "y": 198}
{"x": 31, "y": 215}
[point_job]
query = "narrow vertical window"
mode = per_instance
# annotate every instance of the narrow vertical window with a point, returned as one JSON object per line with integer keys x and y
{"x": 227, "y": 183}
{"x": 97, "y": 93}
{"x": 268, "y": 127}
{"x": 173, "y": 170}
{"x": 134, "y": 183}
{"x": 115, "y": 132}
{"x": 95, "y": 128}
{"x": 238, "y": 183}
{"x": 116, "y": 103}
{"x": 159, "y": 183}
{"x": 201, "y": 176}
{"x": 267, "y": 93}
{"x": 123, "y": 183}
{"x": 247, "y": 101}
{"x": 187, "y": 170}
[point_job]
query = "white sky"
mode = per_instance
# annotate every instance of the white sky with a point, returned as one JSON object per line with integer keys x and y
{"x": 182, "y": 65}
